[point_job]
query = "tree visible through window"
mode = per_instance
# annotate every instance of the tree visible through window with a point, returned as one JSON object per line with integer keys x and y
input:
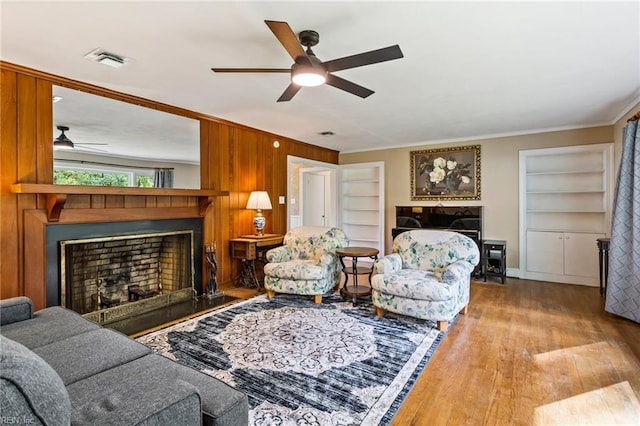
{"x": 81, "y": 177}
{"x": 144, "y": 181}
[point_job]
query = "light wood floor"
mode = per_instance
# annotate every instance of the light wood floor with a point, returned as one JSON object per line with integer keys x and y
{"x": 531, "y": 353}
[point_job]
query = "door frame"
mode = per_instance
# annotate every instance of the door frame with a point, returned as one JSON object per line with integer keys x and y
{"x": 328, "y": 207}
{"x": 331, "y": 186}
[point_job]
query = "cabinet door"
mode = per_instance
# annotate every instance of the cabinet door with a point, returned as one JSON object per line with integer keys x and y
{"x": 545, "y": 252}
{"x": 581, "y": 254}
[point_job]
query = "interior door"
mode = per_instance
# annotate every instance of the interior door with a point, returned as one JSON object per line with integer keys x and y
{"x": 314, "y": 199}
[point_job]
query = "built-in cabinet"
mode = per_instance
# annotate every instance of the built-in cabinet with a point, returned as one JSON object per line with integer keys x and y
{"x": 362, "y": 204}
{"x": 565, "y": 206}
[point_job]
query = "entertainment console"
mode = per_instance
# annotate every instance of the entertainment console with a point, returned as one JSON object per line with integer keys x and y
{"x": 466, "y": 220}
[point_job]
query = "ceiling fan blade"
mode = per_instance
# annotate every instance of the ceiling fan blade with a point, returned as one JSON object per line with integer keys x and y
{"x": 80, "y": 147}
{"x": 366, "y": 58}
{"x": 90, "y": 143}
{"x": 288, "y": 39}
{"x": 289, "y": 92}
{"x": 348, "y": 86}
{"x": 279, "y": 70}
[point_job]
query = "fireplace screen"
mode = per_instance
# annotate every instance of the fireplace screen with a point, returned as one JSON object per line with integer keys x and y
{"x": 109, "y": 278}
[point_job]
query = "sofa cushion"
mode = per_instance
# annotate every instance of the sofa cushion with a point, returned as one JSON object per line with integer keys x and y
{"x": 413, "y": 284}
{"x": 47, "y": 326}
{"x": 31, "y": 390}
{"x": 221, "y": 404}
{"x": 86, "y": 354}
{"x": 139, "y": 394}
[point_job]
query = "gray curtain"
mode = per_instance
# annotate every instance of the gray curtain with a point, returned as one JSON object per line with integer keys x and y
{"x": 623, "y": 289}
{"x": 163, "y": 178}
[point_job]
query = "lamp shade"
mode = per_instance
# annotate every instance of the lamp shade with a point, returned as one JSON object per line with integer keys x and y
{"x": 259, "y": 200}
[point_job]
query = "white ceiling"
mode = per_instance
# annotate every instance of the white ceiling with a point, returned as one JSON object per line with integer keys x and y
{"x": 471, "y": 69}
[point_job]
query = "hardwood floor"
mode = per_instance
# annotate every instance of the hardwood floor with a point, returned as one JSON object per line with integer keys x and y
{"x": 531, "y": 353}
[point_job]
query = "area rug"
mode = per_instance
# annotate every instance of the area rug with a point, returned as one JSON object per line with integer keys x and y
{"x": 306, "y": 363}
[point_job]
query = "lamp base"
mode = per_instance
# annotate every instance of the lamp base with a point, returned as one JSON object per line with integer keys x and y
{"x": 258, "y": 222}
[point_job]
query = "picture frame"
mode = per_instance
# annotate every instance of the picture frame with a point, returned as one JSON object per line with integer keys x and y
{"x": 446, "y": 173}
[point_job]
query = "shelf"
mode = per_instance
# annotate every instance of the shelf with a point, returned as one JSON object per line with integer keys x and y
{"x": 598, "y": 191}
{"x": 57, "y": 194}
{"x": 366, "y": 180}
{"x": 563, "y": 230}
{"x": 569, "y": 172}
{"x": 566, "y": 211}
{"x": 369, "y": 240}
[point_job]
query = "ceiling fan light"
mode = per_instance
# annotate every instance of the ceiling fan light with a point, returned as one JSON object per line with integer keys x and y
{"x": 308, "y": 79}
{"x": 61, "y": 145}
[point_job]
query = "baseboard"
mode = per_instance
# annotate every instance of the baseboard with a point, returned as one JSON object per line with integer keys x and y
{"x": 513, "y": 272}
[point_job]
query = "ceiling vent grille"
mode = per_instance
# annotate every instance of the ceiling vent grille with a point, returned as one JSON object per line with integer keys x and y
{"x": 107, "y": 58}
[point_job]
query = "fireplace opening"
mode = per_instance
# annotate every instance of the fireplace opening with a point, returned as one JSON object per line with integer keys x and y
{"x": 107, "y": 278}
{"x": 111, "y": 272}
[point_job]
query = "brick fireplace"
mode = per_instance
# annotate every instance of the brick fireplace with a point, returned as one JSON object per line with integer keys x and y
{"x": 113, "y": 270}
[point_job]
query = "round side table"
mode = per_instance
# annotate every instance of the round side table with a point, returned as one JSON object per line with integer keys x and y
{"x": 355, "y": 291}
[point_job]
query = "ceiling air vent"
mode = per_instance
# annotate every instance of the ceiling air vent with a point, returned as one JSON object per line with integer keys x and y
{"x": 107, "y": 58}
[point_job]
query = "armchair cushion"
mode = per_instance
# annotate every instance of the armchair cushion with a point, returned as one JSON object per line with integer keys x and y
{"x": 428, "y": 250}
{"x": 414, "y": 284}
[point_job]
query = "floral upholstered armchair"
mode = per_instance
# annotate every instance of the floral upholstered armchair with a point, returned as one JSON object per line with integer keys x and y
{"x": 306, "y": 264}
{"x": 426, "y": 276}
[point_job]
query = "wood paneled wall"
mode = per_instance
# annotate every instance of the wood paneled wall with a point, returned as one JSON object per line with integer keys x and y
{"x": 233, "y": 158}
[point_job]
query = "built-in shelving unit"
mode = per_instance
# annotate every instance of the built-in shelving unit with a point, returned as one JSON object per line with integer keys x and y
{"x": 362, "y": 204}
{"x": 57, "y": 194}
{"x": 565, "y": 205}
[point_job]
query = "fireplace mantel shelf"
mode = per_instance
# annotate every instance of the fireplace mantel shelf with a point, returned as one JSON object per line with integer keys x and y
{"x": 57, "y": 194}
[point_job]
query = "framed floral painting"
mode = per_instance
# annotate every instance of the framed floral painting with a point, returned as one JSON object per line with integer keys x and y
{"x": 446, "y": 173}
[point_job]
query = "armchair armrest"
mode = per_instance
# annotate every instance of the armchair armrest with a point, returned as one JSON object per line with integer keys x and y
{"x": 455, "y": 271}
{"x": 388, "y": 264}
{"x": 328, "y": 258}
{"x": 279, "y": 254}
{"x": 15, "y": 309}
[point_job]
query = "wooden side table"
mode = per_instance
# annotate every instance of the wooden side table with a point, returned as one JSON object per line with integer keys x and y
{"x": 249, "y": 249}
{"x": 354, "y": 253}
{"x": 498, "y": 266}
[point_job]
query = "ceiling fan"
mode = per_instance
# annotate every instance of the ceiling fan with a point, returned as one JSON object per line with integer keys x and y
{"x": 309, "y": 71}
{"x": 63, "y": 142}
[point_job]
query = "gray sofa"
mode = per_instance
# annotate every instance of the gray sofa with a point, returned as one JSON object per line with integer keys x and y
{"x": 58, "y": 368}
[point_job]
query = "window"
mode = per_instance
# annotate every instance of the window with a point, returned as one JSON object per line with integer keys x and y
{"x": 66, "y": 173}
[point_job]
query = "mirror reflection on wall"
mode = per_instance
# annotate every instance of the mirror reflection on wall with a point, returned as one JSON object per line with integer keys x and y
{"x": 106, "y": 142}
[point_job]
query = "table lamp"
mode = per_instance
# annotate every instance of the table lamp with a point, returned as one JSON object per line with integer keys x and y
{"x": 258, "y": 201}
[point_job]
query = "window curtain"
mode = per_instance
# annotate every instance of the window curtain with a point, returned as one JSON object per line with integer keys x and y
{"x": 623, "y": 287}
{"x": 163, "y": 178}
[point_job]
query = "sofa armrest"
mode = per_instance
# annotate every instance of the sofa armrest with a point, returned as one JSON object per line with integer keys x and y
{"x": 278, "y": 254}
{"x": 456, "y": 271}
{"x": 388, "y": 264}
{"x": 15, "y": 309}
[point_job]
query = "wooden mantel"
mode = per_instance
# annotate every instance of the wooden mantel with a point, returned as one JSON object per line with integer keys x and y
{"x": 57, "y": 194}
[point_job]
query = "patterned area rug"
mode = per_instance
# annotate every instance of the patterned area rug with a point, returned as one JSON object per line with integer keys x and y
{"x": 302, "y": 363}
